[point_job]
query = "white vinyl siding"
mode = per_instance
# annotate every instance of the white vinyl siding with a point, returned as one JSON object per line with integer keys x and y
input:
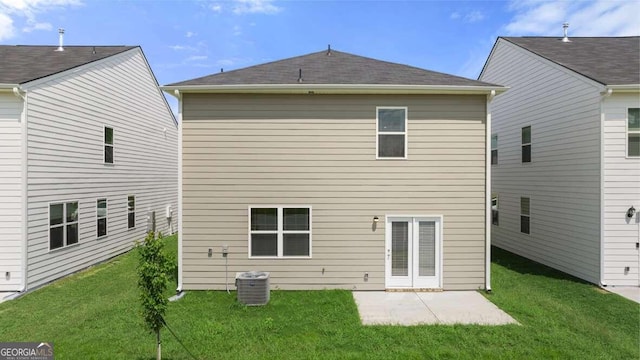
{"x": 67, "y": 114}
{"x": 319, "y": 151}
{"x": 621, "y": 179}
{"x": 563, "y": 110}
{"x": 11, "y": 200}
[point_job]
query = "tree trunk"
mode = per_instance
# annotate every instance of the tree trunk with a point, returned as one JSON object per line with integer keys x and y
{"x": 159, "y": 356}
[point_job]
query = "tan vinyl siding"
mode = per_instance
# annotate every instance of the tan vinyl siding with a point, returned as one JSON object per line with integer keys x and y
{"x": 621, "y": 187}
{"x": 320, "y": 151}
{"x": 67, "y": 116}
{"x": 10, "y": 192}
{"x": 563, "y": 178}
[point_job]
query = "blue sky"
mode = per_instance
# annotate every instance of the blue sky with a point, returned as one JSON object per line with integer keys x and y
{"x": 187, "y": 39}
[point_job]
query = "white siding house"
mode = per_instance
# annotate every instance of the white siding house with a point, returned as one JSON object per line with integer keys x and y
{"x": 566, "y": 167}
{"x": 89, "y": 151}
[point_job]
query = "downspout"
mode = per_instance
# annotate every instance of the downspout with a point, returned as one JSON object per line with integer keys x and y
{"x": 487, "y": 193}
{"x": 180, "y": 210}
{"x": 606, "y": 94}
{"x": 25, "y": 211}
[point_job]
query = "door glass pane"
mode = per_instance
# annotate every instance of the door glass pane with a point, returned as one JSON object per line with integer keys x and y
{"x": 295, "y": 219}
{"x": 264, "y": 245}
{"x": 391, "y": 120}
{"x": 427, "y": 248}
{"x": 295, "y": 245}
{"x": 264, "y": 219}
{"x": 400, "y": 248}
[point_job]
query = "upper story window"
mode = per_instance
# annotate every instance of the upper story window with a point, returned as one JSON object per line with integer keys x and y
{"x": 494, "y": 149}
{"x": 391, "y": 132}
{"x": 101, "y": 217}
{"x": 108, "y": 145}
{"x": 63, "y": 224}
{"x": 526, "y": 144}
{"x": 525, "y": 215}
{"x": 633, "y": 132}
{"x": 131, "y": 211}
{"x": 280, "y": 231}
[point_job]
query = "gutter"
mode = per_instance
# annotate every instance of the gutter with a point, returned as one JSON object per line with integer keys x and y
{"x": 627, "y": 88}
{"x": 22, "y": 94}
{"x": 8, "y": 87}
{"x": 334, "y": 89}
{"x": 487, "y": 193}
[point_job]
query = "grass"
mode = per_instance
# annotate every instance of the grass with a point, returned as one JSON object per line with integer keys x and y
{"x": 95, "y": 315}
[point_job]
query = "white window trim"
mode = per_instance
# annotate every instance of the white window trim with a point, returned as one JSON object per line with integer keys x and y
{"x": 496, "y": 149}
{"x": 104, "y": 143}
{"x": 527, "y": 215}
{"x": 627, "y": 132}
{"x": 280, "y": 231}
{"x": 522, "y": 145}
{"x": 64, "y": 224}
{"x": 405, "y": 132}
{"x": 106, "y": 217}
{"x": 135, "y": 222}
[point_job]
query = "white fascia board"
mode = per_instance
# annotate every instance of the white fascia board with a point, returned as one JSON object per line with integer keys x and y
{"x": 8, "y": 87}
{"x": 627, "y": 88}
{"x": 334, "y": 89}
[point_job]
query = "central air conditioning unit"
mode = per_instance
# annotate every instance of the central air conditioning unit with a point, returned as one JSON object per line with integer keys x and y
{"x": 253, "y": 288}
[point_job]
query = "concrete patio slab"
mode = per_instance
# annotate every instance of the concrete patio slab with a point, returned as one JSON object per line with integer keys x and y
{"x": 630, "y": 292}
{"x": 411, "y": 308}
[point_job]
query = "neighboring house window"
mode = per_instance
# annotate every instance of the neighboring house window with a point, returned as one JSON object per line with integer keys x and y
{"x": 392, "y": 133}
{"x": 280, "y": 231}
{"x": 131, "y": 211}
{"x": 526, "y": 144}
{"x": 633, "y": 132}
{"x": 108, "y": 145}
{"x": 101, "y": 210}
{"x": 494, "y": 149}
{"x": 494, "y": 209}
{"x": 525, "y": 217}
{"x": 63, "y": 224}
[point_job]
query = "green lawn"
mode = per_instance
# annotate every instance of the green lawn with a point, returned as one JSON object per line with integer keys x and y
{"x": 95, "y": 315}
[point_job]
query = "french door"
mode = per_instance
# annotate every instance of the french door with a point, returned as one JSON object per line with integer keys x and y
{"x": 413, "y": 252}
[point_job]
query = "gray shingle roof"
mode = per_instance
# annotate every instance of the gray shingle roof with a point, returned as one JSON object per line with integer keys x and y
{"x": 23, "y": 63}
{"x": 338, "y": 68}
{"x": 607, "y": 60}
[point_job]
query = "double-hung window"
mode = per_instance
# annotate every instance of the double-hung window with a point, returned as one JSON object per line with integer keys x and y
{"x": 494, "y": 209}
{"x": 526, "y": 144}
{"x": 63, "y": 224}
{"x": 276, "y": 231}
{"x": 525, "y": 214}
{"x": 633, "y": 132}
{"x": 131, "y": 211}
{"x": 101, "y": 217}
{"x": 391, "y": 133}
{"x": 494, "y": 149}
{"x": 108, "y": 145}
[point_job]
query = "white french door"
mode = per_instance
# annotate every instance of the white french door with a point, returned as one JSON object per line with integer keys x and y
{"x": 413, "y": 252}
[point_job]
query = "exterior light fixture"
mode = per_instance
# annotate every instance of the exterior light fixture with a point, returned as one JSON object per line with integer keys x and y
{"x": 630, "y": 212}
{"x": 376, "y": 219}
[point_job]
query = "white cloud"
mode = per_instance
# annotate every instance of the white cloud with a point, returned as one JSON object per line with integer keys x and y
{"x": 11, "y": 10}
{"x": 6, "y": 27}
{"x": 237, "y": 30}
{"x": 182, "y": 47}
{"x": 596, "y": 18}
{"x": 197, "y": 58}
{"x": 190, "y": 34}
{"x": 255, "y": 7}
{"x": 470, "y": 17}
{"x": 215, "y": 7}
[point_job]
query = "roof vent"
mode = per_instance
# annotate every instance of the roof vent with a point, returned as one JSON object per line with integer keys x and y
{"x": 565, "y": 27}
{"x": 61, "y": 38}
{"x": 300, "y": 75}
{"x": 329, "y": 50}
